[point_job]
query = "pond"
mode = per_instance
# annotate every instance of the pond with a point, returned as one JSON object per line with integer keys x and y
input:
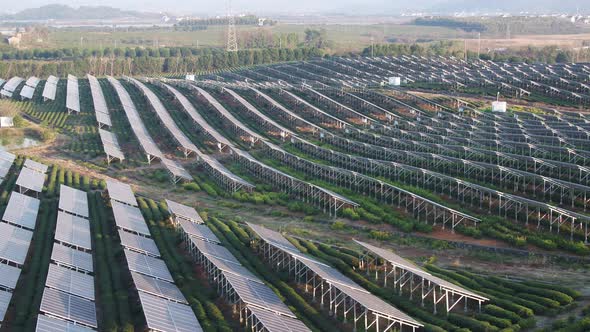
{"x": 17, "y": 142}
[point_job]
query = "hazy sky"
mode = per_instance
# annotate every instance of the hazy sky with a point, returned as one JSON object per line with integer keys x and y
{"x": 218, "y": 6}
{"x": 379, "y": 7}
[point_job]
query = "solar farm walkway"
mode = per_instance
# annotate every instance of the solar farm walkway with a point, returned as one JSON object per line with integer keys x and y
{"x": 177, "y": 172}
{"x": 163, "y": 304}
{"x": 16, "y": 232}
{"x": 406, "y": 274}
{"x": 68, "y": 299}
{"x": 262, "y": 308}
{"x": 328, "y": 285}
{"x": 109, "y": 140}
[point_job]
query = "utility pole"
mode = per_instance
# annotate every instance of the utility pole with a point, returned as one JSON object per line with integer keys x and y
{"x": 372, "y": 47}
{"x": 232, "y": 40}
{"x": 478, "y": 44}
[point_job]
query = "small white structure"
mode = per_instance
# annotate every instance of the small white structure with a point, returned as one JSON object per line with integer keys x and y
{"x": 499, "y": 106}
{"x": 395, "y": 81}
{"x": 189, "y": 77}
{"x": 6, "y": 122}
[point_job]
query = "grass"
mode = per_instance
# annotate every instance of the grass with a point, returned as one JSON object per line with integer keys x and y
{"x": 346, "y": 37}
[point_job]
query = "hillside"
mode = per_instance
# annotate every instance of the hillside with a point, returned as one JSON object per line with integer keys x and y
{"x": 63, "y": 12}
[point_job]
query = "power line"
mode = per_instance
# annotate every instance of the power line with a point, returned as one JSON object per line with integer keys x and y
{"x": 232, "y": 40}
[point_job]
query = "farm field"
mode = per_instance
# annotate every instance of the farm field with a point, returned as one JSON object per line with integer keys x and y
{"x": 345, "y": 37}
{"x": 484, "y": 213}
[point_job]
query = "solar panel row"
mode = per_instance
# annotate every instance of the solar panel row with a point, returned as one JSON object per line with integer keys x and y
{"x": 68, "y": 299}
{"x": 50, "y": 88}
{"x": 12, "y": 84}
{"x": 272, "y": 314}
{"x": 6, "y": 161}
{"x": 336, "y": 279}
{"x": 73, "y": 95}
{"x": 164, "y": 306}
{"x": 15, "y": 237}
{"x": 145, "y": 140}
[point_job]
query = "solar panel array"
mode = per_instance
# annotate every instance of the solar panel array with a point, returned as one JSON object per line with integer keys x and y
{"x": 164, "y": 306}
{"x": 10, "y": 86}
{"x": 260, "y": 303}
{"x": 145, "y": 140}
{"x": 68, "y": 300}
{"x": 184, "y": 142}
{"x": 6, "y": 161}
{"x": 73, "y": 95}
{"x": 335, "y": 279}
{"x": 16, "y": 232}
{"x": 50, "y": 88}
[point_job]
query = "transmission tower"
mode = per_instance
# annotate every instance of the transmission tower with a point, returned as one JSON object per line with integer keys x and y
{"x": 232, "y": 40}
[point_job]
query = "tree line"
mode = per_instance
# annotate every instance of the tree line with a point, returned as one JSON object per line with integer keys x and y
{"x": 547, "y": 54}
{"x": 181, "y": 61}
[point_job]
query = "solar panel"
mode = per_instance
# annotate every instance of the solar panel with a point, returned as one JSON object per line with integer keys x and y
{"x": 164, "y": 315}
{"x": 36, "y": 166}
{"x": 272, "y": 236}
{"x": 52, "y": 79}
{"x": 121, "y": 192}
{"x": 157, "y": 287}
{"x": 5, "y": 93}
{"x": 70, "y": 281}
{"x": 4, "y": 303}
{"x": 71, "y": 257}
{"x": 70, "y": 307}
{"x": 27, "y": 92}
{"x": 32, "y": 81}
{"x": 73, "y": 230}
{"x": 50, "y": 324}
{"x": 5, "y": 155}
{"x": 129, "y": 218}
{"x": 183, "y": 211}
{"x": 73, "y": 94}
{"x": 12, "y": 84}
{"x": 211, "y": 249}
{"x": 22, "y": 210}
{"x": 9, "y": 276}
{"x": 14, "y": 243}
{"x": 30, "y": 180}
{"x": 176, "y": 170}
{"x": 147, "y": 265}
{"x": 199, "y": 231}
{"x": 273, "y": 322}
{"x": 5, "y": 166}
{"x": 407, "y": 265}
{"x": 257, "y": 294}
{"x": 49, "y": 90}
{"x": 138, "y": 243}
{"x": 232, "y": 268}
{"x": 73, "y": 200}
